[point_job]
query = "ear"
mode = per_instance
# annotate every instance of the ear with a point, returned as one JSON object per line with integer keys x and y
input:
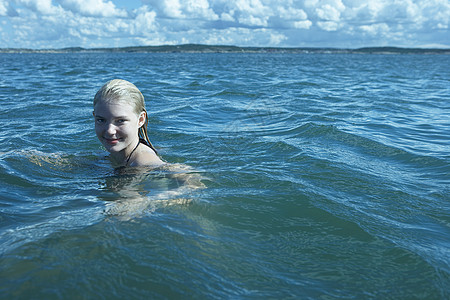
{"x": 141, "y": 119}
{"x": 93, "y": 113}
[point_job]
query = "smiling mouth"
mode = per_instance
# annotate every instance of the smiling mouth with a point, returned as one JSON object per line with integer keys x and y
{"x": 111, "y": 141}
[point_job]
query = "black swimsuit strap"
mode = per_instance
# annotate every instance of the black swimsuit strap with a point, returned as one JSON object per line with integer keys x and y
{"x": 143, "y": 141}
{"x": 129, "y": 156}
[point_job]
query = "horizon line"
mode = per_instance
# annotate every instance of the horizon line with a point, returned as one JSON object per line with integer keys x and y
{"x": 191, "y": 47}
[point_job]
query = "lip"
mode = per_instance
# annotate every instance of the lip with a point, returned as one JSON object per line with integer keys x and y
{"x": 111, "y": 141}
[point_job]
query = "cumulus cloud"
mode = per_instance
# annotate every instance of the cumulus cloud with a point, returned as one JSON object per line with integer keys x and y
{"x": 316, "y": 23}
{"x": 93, "y": 8}
{"x": 40, "y": 6}
{"x": 329, "y": 12}
{"x": 375, "y": 29}
{"x": 302, "y": 24}
{"x": 144, "y": 24}
{"x": 183, "y": 9}
{"x": 3, "y": 8}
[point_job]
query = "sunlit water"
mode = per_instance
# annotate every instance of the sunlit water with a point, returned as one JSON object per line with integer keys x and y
{"x": 296, "y": 176}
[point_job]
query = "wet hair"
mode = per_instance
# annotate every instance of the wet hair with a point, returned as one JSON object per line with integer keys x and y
{"x": 119, "y": 90}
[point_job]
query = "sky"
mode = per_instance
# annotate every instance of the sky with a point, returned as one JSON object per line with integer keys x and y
{"x": 44, "y": 24}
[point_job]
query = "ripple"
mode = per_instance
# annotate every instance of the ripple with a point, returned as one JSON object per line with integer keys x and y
{"x": 319, "y": 170}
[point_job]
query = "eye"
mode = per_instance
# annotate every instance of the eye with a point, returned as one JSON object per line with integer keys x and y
{"x": 99, "y": 120}
{"x": 121, "y": 121}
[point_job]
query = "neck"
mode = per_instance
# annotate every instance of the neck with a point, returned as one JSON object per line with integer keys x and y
{"x": 124, "y": 157}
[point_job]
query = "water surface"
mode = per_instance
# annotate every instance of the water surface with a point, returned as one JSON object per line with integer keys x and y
{"x": 310, "y": 176}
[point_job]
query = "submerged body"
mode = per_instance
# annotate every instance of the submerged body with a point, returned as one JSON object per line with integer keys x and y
{"x": 121, "y": 126}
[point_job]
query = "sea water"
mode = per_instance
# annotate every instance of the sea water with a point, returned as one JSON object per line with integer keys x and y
{"x": 308, "y": 176}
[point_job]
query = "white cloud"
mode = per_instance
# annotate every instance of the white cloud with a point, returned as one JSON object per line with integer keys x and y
{"x": 329, "y": 13}
{"x": 302, "y": 24}
{"x": 40, "y": 6}
{"x": 3, "y": 8}
{"x": 201, "y": 8}
{"x": 144, "y": 23}
{"x": 291, "y": 13}
{"x": 439, "y": 12}
{"x": 251, "y": 7}
{"x": 330, "y": 23}
{"x": 183, "y": 9}
{"x": 93, "y": 8}
{"x": 169, "y": 8}
{"x": 375, "y": 29}
{"x": 276, "y": 39}
{"x": 227, "y": 17}
{"x": 367, "y": 12}
{"x": 252, "y": 20}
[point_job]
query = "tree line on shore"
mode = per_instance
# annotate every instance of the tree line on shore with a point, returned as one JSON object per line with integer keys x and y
{"x": 197, "y": 48}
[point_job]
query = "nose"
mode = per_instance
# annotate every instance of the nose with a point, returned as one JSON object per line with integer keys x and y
{"x": 110, "y": 129}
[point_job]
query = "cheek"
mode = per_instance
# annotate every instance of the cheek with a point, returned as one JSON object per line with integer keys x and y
{"x": 98, "y": 130}
{"x": 130, "y": 130}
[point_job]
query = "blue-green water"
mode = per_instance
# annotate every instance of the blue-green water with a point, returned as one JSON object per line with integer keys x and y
{"x": 318, "y": 176}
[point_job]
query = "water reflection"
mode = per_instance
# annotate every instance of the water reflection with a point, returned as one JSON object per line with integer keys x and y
{"x": 131, "y": 192}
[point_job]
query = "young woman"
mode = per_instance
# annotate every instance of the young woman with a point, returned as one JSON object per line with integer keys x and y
{"x": 121, "y": 125}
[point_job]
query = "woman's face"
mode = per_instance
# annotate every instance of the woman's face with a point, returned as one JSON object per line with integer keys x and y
{"x": 117, "y": 125}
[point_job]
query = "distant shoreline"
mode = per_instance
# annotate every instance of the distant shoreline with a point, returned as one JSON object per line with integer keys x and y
{"x": 195, "y": 48}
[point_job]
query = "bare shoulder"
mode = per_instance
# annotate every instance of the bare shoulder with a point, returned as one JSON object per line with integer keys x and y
{"x": 146, "y": 157}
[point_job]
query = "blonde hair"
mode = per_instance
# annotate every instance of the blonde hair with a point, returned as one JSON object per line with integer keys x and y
{"x": 119, "y": 90}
